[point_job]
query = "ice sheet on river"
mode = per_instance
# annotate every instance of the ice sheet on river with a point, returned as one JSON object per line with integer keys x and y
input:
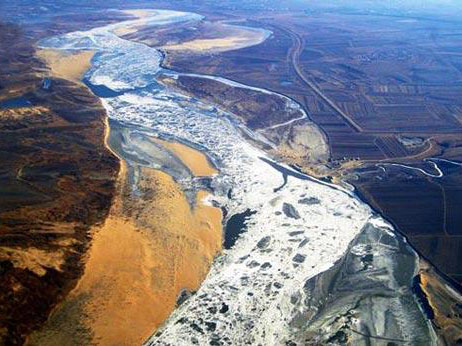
{"x": 256, "y": 292}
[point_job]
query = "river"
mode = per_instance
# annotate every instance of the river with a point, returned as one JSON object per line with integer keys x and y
{"x": 258, "y": 291}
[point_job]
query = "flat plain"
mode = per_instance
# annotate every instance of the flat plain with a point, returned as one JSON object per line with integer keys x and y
{"x": 383, "y": 89}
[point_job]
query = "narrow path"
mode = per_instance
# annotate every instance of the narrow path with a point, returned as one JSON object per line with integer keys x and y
{"x": 282, "y": 124}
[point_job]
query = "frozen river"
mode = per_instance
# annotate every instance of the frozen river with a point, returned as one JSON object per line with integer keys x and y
{"x": 270, "y": 287}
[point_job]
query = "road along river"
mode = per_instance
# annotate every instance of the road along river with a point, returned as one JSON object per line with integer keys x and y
{"x": 306, "y": 241}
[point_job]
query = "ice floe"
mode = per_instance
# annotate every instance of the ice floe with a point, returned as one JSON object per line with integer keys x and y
{"x": 301, "y": 227}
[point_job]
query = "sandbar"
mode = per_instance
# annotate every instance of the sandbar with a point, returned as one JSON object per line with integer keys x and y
{"x": 67, "y": 65}
{"x": 196, "y": 161}
{"x": 228, "y": 37}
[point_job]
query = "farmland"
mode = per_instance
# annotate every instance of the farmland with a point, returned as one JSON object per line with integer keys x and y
{"x": 383, "y": 89}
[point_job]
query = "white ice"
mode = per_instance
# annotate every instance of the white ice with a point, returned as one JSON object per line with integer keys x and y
{"x": 256, "y": 281}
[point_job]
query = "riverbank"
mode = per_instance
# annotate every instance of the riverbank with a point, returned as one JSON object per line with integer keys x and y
{"x": 151, "y": 248}
{"x": 65, "y": 64}
{"x": 255, "y": 292}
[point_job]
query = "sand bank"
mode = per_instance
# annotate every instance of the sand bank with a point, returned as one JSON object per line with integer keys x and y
{"x": 67, "y": 65}
{"x": 195, "y": 160}
{"x": 443, "y": 301}
{"x": 148, "y": 250}
{"x": 139, "y": 14}
{"x": 228, "y": 37}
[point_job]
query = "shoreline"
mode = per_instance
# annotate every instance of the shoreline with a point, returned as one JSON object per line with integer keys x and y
{"x": 167, "y": 244}
{"x": 65, "y": 64}
{"x": 197, "y": 162}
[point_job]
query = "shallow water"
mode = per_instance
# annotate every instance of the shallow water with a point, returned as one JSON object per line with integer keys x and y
{"x": 235, "y": 226}
{"x": 17, "y": 102}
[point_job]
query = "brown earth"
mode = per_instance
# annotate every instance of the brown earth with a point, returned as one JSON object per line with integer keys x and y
{"x": 56, "y": 181}
{"x": 444, "y": 302}
{"x": 65, "y": 64}
{"x": 148, "y": 251}
{"x": 196, "y": 161}
{"x": 256, "y": 109}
